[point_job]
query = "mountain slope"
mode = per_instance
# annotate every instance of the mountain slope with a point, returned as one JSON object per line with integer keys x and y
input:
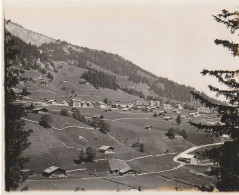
{"x": 27, "y": 35}
{"x": 51, "y": 54}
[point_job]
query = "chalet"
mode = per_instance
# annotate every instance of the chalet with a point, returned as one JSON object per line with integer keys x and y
{"x": 154, "y": 103}
{"x": 148, "y": 127}
{"x": 162, "y": 113}
{"x": 203, "y": 110}
{"x": 40, "y": 111}
{"x": 54, "y": 171}
{"x": 52, "y": 102}
{"x": 192, "y": 114}
{"x": 225, "y": 137}
{"x": 184, "y": 116}
{"x": 168, "y": 107}
{"x": 167, "y": 118}
{"x": 101, "y": 105}
{"x": 120, "y": 167}
{"x": 17, "y": 91}
{"x": 65, "y": 103}
{"x": 106, "y": 149}
{"x": 97, "y": 117}
{"x": 180, "y": 107}
{"x": 187, "y": 158}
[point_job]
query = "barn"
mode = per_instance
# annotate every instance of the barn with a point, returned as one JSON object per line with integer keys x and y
{"x": 54, "y": 171}
{"x": 120, "y": 167}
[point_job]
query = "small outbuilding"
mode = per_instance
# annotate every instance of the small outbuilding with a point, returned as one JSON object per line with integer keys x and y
{"x": 148, "y": 127}
{"x": 40, "y": 111}
{"x": 106, "y": 149}
{"x": 188, "y": 158}
{"x": 54, "y": 171}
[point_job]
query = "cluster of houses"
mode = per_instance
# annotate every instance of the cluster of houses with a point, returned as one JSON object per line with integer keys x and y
{"x": 116, "y": 166}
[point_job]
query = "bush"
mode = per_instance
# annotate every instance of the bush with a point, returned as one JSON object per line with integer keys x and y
{"x": 46, "y": 121}
{"x": 25, "y": 92}
{"x": 183, "y": 134}
{"x": 78, "y": 116}
{"x": 50, "y": 76}
{"x": 178, "y": 119}
{"x": 64, "y": 112}
{"x": 43, "y": 71}
{"x": 155, "y": 114}
{"x": 103, "y": 126}
{"x": 90, "y": 154}
{"x": 31, "y": 107}
{"x": 87, "y": 155}
{"x": 141, "y": 147}
{"x": 171, "y": 133}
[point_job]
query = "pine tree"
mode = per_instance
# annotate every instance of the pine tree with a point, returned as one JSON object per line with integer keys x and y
{"x": 16, "y": 138}
{"x": 225, "y": 157}
{"x": 178, "y": 119}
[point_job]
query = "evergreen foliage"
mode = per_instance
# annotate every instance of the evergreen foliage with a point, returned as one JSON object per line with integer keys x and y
{"x": 16, "y": 138}
{"x": 178, "y": 119}
{"x": 46, "y": 121}
{"x": 101, "y": 79}
{"x": 225, "y": 157}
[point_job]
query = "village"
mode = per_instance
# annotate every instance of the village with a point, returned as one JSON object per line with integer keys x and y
{"x": 106, "y": 163}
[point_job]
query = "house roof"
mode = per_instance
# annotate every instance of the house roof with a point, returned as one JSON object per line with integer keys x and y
{"x": 51, "y": 169}
{"x": 105, "y": 148}
{"x": 126, "y": 169}
{"x": 97, "y": 115}
{"x": 52, "y": 101}
{"x": 40, "y": 109}
{"x": 116, "y": 164}
{"x": 189, "y": 156}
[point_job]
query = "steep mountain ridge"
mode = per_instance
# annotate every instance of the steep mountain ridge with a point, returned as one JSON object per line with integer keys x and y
{"x": 128, "y": 76}
{"x": 26, "y": 35}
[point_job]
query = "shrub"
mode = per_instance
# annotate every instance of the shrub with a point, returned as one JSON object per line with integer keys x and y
{"x": 31, "y": 107}
{"x": 46, "y": 121}
{"x": 43, "y": 71}
{"x": 50, "y": 76}
{"x": 183, "y": 134}
{"x": 103, "y": 126}
{"x": 178, "y": 119}
{"x": 90, "y": 154}
{"x": 25, "y": 92}
{"x": 155, "y": 114}
{"x": 64, "y": 112}
{"x": 141, "y": 147}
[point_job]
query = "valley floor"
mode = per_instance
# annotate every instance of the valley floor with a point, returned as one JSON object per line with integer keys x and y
{"x": 159, "y": 170}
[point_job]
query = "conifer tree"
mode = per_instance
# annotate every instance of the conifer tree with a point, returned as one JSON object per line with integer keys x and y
{"x": 16, "y": 138}
{"x": 226, "y": 156}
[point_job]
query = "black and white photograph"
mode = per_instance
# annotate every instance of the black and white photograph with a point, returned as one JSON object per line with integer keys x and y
{"x": 120, "y": 96}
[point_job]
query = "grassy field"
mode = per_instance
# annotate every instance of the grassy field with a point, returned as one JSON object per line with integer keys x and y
{"x": 59, "y": 147}
{"x": 149, "y": 164}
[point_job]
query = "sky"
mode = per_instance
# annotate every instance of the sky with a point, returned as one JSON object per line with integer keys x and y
{"x": 170, "y": 38}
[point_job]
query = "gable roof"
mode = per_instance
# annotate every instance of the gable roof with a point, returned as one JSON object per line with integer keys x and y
{"x": 189, "y": 156}
{"x": 40, "y": 109}
{"x": 51, "y": 169}
{"x": 105, "y": 148}
{"x": 116, "y": 164}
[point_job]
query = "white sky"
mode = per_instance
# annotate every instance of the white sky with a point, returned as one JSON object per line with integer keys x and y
{"x": 170, "y": 38}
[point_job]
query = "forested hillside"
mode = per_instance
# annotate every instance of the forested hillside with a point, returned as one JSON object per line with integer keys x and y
{"x": 108, "y": 68}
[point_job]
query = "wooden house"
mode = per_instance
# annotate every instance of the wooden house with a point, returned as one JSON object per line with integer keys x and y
{"x": 40, "y": 111}
{"x": 54, "y": 171}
